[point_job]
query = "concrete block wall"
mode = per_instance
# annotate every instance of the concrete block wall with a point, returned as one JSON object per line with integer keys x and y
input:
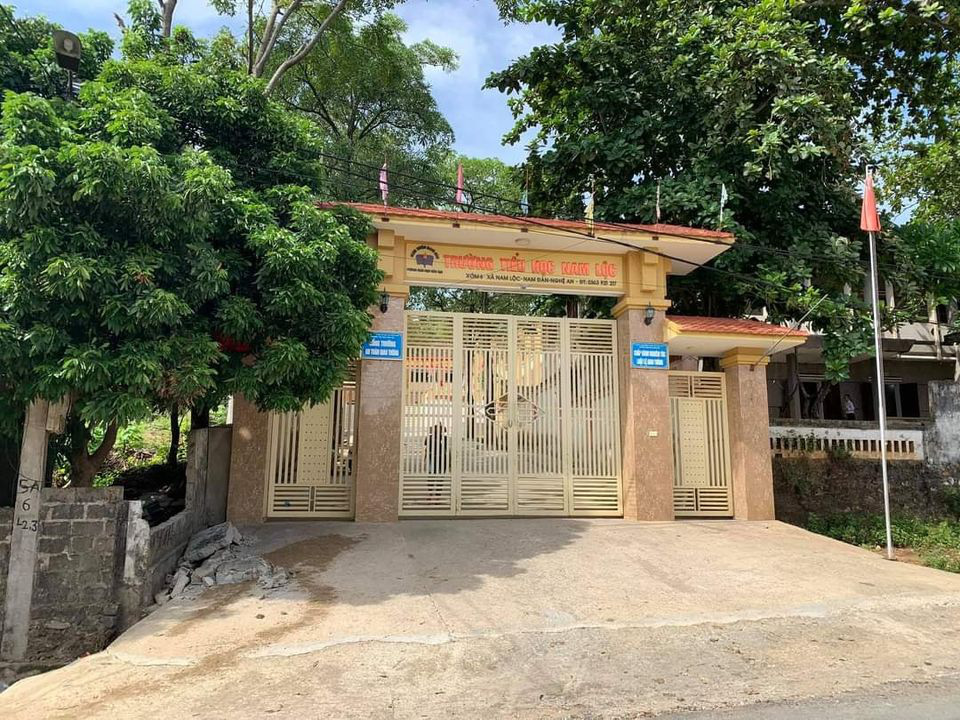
{"x": 99, "y": 563}
{"x": 942, "y": 435}
{"x": 74, "y": 609}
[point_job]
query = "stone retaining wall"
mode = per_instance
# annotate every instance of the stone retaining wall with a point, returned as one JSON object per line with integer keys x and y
{"x": 806, "y": 485}
{"x": 153, "y": 552}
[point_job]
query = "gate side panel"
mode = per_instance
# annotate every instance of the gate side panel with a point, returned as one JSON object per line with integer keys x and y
{"x": 594, "y": 419}
{"x": 426, "y": 471}
{"x": 700, "y": 445}
{"x": 310, "y": 459}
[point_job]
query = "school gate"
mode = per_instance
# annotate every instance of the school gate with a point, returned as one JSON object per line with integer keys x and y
{"x": 486, "y": 415}
{"x": 509, "y": 416}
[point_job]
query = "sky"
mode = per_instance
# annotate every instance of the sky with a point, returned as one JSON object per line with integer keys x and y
{"x": 471, "y": 27}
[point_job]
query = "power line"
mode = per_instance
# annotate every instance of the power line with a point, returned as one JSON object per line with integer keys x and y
{"x": 588, "y": 237}
{"x": 760, "y": 249}
{"x": 533, "y": 221}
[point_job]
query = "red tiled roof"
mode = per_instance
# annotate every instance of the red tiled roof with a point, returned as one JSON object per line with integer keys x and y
{"x": 578, "y": 225}
{"x": 693, "y": 324}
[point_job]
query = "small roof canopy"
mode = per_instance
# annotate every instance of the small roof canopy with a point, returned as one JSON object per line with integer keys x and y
{"x": 452, "y": 227}
{"x": 712, "y": 337}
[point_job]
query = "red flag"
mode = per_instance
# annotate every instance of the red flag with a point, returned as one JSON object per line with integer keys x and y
{"x": 460, "y": 183}
{"x": 384, "y": 187}
{"x": 869, "y": 219}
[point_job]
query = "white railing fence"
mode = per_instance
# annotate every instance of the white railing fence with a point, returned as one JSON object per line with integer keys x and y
{"x": 813, "y": 441}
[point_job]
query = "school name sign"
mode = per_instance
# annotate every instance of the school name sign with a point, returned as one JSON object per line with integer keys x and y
{"x": 459, "y": 265}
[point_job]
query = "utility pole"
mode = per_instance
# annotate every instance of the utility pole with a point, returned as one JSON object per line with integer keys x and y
{"x": 42, "y": 419}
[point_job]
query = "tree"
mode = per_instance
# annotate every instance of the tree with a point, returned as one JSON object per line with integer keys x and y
{"x": 160, "y": 246}
{"x": 268, "y": 49}
{"x": 366, "y": 90}
{"x": 922, "y": 175}
{"x": 925, "y": 268}
{"x": 27, "y": 62}
{"x": 490, "y": 184}
{"x": 773, "y": 100}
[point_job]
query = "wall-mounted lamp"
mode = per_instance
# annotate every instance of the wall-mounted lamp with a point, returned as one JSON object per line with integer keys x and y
{"x": 384, "y": 302}
{"x": 649, "y": 314}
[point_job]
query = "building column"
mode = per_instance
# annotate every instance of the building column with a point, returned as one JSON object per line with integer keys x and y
{"x": 380, "y": 409}
{"x": 247, "y": 493}
{"x": 749, "y": 425}
{"x": 646, "y": 447}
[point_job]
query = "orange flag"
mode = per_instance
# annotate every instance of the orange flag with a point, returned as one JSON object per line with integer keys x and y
{"x": 869, "y": 219}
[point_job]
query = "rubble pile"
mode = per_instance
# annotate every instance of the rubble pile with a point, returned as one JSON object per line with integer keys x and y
{"x": 216, "y": 556}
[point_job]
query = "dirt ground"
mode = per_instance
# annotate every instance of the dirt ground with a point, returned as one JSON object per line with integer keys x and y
{"x": 524, "y": 619}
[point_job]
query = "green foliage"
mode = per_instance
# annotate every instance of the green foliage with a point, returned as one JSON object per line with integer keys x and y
{"x": 775, "y": 100}
{"x": 936, "y": 542}
{"x": 490, "y": 183}
{"x": 27, "y": 62}
{"x": 950, "y": 497}
{"x": 925, "y": 266}
{"x": 366, "y": 91}
{"x": 160, "y": 246}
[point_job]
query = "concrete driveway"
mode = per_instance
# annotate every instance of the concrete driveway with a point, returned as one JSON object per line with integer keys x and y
{"x": 527, "y": 619}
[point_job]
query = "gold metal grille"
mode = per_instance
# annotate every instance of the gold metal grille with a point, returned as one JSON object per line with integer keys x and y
{"x": 511, "y": 416}
{"x": 701, "y": 452}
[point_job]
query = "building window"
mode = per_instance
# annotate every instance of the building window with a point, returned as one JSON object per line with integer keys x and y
{"x": 902, "y": 400}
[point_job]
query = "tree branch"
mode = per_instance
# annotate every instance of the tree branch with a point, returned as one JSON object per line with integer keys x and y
{"x": 249, "y": 37}
{"x": 306, "y": 48}
{"x": 270, "y": 38}
{"x": 267, "y": 33}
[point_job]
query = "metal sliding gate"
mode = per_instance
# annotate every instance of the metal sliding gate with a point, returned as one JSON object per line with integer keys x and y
{"x": 509, "y": 416}
{"x": 310, "y": 458}
{"x": 701, "y": 451}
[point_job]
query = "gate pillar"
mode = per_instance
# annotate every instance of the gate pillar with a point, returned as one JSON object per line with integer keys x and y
{"x": 750, "y": 467}
{"x": 647, "y": 469}
{"x": 380, "y": 408}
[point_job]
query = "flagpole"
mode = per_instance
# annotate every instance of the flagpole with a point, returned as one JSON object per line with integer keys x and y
{"x": 870, "y": 223}
{"x": 881, "y": 403}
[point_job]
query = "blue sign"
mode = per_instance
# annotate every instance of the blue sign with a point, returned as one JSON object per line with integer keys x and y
{"x": 650, "y": 356}
{"x": 383, "y": 346}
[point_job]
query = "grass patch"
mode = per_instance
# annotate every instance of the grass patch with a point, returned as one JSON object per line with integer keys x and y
{"x": 936, "y": 542}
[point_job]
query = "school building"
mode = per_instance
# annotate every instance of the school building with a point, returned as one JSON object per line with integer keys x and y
{"x": 452, "y": 415}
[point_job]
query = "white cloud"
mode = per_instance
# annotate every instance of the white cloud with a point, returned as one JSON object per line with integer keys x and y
{"x": 484, "y": 44}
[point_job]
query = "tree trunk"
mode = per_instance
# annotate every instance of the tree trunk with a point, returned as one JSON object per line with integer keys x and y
{"x": 84, "y": 465}
{"x": 815, "y": 409}
{"x": 167, "y": 7}
{"x": 792, "y": 401}
{"x": 174, "y": 436}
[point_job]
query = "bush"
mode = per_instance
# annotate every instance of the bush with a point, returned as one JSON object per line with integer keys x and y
{"x": 950, "y": 497}
{"x": 936, "y": 542}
